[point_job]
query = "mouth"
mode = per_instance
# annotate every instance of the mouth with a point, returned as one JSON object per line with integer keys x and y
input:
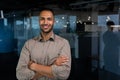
{"x": 45, "y": 27}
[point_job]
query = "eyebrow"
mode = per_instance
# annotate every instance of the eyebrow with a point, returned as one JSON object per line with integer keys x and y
{"x": 46, "y": 18}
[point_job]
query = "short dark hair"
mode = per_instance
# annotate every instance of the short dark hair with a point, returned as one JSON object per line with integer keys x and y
{"x": 110, "y": 23}
{"x": 47, "y": 9}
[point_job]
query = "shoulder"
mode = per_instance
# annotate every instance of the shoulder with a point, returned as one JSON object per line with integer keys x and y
{"x": 31, "y": 42}
{"x": 36, "y": 38}
{"x": 61, "y": 39}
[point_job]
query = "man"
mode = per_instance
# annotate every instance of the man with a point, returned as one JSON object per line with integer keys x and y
{"x": 111, "y": 48}
{"x": 47, "y": 56}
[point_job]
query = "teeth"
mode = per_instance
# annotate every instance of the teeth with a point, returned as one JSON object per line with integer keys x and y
{"x": 45, "y": 26}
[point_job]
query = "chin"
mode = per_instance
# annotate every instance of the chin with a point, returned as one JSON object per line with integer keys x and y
{"x": 46, "y": 31}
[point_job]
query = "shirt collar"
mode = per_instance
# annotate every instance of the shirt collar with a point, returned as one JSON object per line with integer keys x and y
{"x": 52, "y": 37}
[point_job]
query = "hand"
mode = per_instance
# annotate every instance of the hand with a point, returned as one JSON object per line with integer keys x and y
{"x": 61, "y": 60}
{"x": 30, "y": 65}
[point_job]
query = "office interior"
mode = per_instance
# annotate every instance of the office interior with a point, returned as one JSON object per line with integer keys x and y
{"x": 82, "y": 23}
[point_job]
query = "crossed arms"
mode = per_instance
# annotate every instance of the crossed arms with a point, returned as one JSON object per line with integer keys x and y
{"x": 42, "y": 70}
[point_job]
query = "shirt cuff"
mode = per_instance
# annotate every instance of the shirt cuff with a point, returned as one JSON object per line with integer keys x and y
{"x": 54, "y": 70}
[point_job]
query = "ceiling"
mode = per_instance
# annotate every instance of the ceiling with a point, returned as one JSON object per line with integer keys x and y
{"x": 25, "y": 5}
{"x": 14, "y": 5}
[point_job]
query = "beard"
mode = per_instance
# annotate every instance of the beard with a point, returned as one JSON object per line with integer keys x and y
{"x": 48, "y": 31}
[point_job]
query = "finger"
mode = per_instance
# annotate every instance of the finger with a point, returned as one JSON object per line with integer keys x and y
{"x": 64, "y": 57}
{"x": 63, "y": 62}
{"x": 30, "y": 63}
{"x": 66, "y": 60}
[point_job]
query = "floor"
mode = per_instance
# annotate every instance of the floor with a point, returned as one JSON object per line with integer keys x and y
{"x": 106, "y": 75}
{"x": 82, "y": 73}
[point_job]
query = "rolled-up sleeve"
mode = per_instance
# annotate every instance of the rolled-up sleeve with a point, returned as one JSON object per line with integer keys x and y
{"x": 63, "y": 72}
{"x": 22, "y": 71}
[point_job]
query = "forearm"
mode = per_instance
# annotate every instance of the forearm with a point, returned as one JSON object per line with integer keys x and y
{"x": 42, "y": 69}
{"x": 47, "y": 70}
{"x": 61, "y": 72}
{"x": 36, "y": 76}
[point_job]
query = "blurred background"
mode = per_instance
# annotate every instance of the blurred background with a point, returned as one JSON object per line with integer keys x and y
{"x": 82, "y": 22}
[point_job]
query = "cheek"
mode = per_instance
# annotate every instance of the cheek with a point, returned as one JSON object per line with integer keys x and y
{"x": 51, "y": 23}
{"x": 40, "y": 22}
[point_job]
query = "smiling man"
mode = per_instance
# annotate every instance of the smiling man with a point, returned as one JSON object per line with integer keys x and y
{"x": 47, "y": 56}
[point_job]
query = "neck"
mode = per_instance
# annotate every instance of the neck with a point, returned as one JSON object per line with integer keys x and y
{"x": 46, "y": 36}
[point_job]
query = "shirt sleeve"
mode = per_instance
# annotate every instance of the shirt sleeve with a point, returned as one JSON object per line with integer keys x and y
{"x": 63, "y": 72}
{"x": 22, "y": 70}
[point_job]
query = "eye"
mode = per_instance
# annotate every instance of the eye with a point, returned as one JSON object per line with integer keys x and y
{"x": 50, "y": 19}
{"x": 42, "y": 18}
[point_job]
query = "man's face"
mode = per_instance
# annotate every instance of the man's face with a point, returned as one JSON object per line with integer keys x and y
{"x": 46, "y": 21}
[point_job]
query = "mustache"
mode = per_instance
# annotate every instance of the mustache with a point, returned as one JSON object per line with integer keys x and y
{"x": 44, "y": 24}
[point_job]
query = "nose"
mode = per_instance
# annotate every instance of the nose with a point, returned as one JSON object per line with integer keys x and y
{"x": 45, "y": 21}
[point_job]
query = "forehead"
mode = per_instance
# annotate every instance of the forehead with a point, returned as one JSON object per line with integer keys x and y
{"x": 46, "y": 13}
